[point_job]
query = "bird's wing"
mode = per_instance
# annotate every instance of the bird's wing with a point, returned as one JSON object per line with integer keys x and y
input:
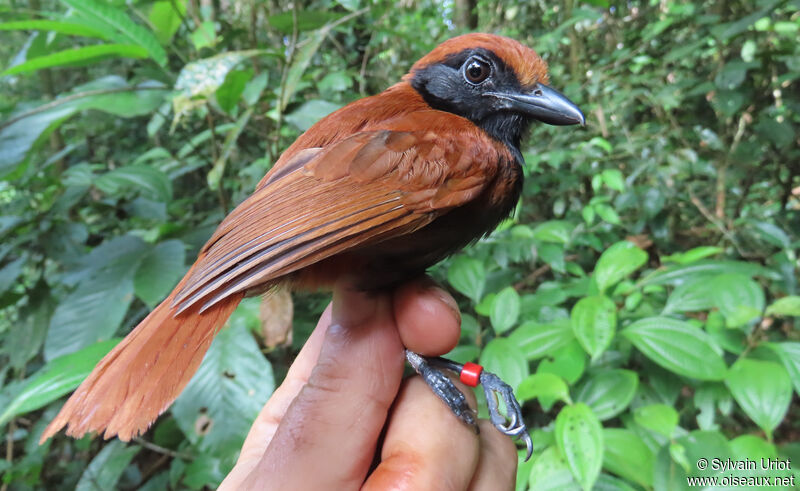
{"x": 366, "y": 188}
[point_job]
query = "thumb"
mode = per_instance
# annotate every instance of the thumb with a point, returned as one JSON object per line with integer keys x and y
{"x": 334, "y": 422}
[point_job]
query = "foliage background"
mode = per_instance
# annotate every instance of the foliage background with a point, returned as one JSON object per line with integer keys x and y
{"x": 642, "y": 299}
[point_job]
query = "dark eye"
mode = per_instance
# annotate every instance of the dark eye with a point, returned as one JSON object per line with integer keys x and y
{"x": 476, "y": 70}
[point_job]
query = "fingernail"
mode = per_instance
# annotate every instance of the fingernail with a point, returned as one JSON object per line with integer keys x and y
{"x": 431, "y": 288}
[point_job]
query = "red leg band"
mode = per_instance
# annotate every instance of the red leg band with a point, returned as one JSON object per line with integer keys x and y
{"x": 471, "y": 374}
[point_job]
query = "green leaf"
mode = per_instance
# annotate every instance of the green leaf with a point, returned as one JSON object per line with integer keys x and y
{"x": 555, "y": 231}
{"x": 229, "y": 93}
{"x": 94, "y": 310}
{"x": 151, "y": 182}
{"x": 618, "y": 262}
{"x": 310, "y": 112}
{"x": 114, "y": 21}
{"x": 608, "y": 392}
{"x": 675, "y": 462}
{"x": 691, "y": 296}
{"x": 626, "y": 455}
{"x": 788, "y": 306}
{"x": 607, "y": 213}
{"x": 501, "y": 357}
{"x": 537, "y": 340}
{"x": 199, "y": 79}
{"x": 505, "y": 310}
{"x": 692, "y": 255}
{"x": 567, "y": 362}
{"x": 680, "y": 273}
{"x": 165, "y": 17}
{"x": 551, "y": 472}
{"x": 11, "y": 271}
{"x": 307, "y": 20}
{"x": 579, "y": 436}
{"x": 63, "y": 27}
{"x": 159, "y": 271}
{"x": 215, "y": 174}
{"x": 77, "y": 57}
{"x": 762, "y": 389}
{"x": 614, "y": 179}
{"x": 548, "y": 385}
{"x": 468, "y": 276}
{"x": 228, "y": 391}
{"x": 56, "y": 378}
{"x": 300, "y": 62}
{"x": 594, "y": 321}
{"x": 107, "y": 466}
{"x": 789, "y": 354}
{"x": 738, "y": 298}
{"x": 678, "y": 347}
{"x": 17, "y": 139}
{"x": 660, "y": 418}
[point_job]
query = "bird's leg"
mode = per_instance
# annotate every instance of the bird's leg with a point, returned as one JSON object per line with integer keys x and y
{"x": 443, "y": 387}
{"x": 511, "y": 424}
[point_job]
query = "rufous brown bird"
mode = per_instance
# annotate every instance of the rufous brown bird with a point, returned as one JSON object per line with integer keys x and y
{"x": 381, "y": 190}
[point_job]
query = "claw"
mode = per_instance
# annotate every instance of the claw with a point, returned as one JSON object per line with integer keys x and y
{"x": 512, "y": 424}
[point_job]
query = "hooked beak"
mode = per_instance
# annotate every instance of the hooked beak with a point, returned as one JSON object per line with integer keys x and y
{"x": 543, "y": 103}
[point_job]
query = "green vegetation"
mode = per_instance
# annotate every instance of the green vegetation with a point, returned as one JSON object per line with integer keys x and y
{"x": 643, "y": 298}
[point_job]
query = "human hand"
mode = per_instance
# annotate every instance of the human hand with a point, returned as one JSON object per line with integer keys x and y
{"x": 321, "y": 427}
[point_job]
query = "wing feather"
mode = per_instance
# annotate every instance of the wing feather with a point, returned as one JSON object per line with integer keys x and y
{"x": 364, "y": 189}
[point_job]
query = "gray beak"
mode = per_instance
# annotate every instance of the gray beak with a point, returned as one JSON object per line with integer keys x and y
{"x": 544, "y": 104}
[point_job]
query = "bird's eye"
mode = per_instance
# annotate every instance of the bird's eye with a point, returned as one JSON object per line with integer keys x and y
{"x": 476, "y": 70}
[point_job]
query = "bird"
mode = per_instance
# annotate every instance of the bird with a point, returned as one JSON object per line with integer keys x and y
{"x": 381, "y": 189}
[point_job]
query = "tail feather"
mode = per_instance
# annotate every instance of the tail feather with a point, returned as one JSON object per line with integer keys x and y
{"x": 144, "y": 373}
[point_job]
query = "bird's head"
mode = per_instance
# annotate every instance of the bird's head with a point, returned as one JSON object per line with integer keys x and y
{"x": 496, "y": 82}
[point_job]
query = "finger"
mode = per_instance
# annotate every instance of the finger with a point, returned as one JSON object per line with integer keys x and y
{"x": 333, "y": 424}
{"x": 426, "y": 446}
{"x": 497, "y": 463}
{"x": 427, "y": 318}
{"x": 271, "y": 414}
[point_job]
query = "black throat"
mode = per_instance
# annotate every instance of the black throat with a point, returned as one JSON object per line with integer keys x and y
{"x": 442, "y": 86}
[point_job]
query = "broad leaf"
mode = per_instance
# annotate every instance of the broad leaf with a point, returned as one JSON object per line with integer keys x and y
{"x": 310, "y": 112}
{"x": 505, "y": 310}
{"x": 608, "y": 392}
{"x": 77, "y": 56}
{"x": 556, "y": 231}
{"x": 468, "y": 276}
{"x": 501, "y": 357}
{"x": 738, "y": 298}
{"x": 678, "y": 347}
{"x": 107, "y": 466}
{"x": 660, "y": 418}
{"x": 789, "y": 353}
{"x": 594, "y": 321}
{"x": 537, "y": 340}
{"x": 626, "y": 455}
{"x": 551, "y": 472}
{"x": 93, "y": 311}
{"x": 579, "y": 436}
{"x": 119, "y": 26}
{"x": 787, "y": 306}
{"x": 159, "y": 271}
{"x": 63, "y": 27}
{"x": 762, "y": 389}
{"x": 149, "y": 181}
{"x": 543, "y": 385}
{"x": 228, "y": 391}
{"x": 616, "y": 263}
{"x": 56, "y": 378}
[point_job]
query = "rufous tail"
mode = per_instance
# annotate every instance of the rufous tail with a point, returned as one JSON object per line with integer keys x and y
{"x": 144, "y": 373}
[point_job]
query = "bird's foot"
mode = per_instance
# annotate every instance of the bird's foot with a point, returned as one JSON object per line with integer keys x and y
{"x": 443, "y": 387}
{"x": 494, "y": 388}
